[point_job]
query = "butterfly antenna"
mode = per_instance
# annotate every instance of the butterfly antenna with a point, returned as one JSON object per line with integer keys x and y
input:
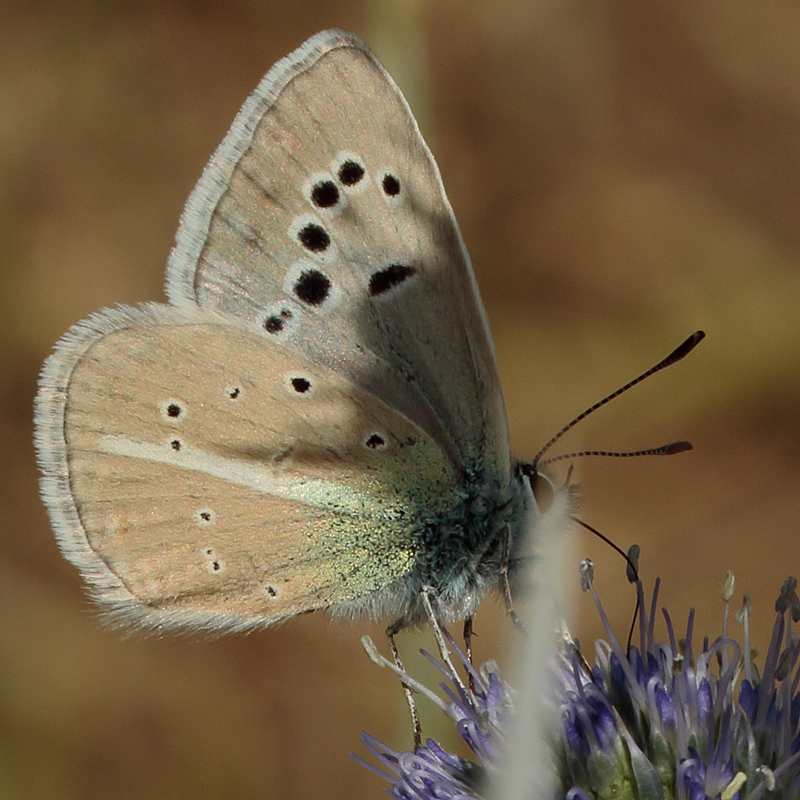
{"x": 676, "y": 355}
{"x": 664, "y": 450}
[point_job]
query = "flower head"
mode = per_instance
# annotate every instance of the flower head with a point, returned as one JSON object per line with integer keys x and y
{"x": 480, "y": 711}
{"x": 653, "y": 721}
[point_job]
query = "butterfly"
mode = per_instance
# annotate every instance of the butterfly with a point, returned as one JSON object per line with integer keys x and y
{"x": 315, "y": 421}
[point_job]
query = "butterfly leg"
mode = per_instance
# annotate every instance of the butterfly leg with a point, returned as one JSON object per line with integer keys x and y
{"x": 442, "y": 635}
{"x": 469, "y": 632}
{"x": 391, "y": 631}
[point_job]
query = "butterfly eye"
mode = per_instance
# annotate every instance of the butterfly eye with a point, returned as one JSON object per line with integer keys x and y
{"x": 543, "y": 491}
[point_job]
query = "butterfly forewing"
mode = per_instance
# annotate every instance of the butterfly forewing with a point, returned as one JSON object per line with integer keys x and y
{"x": 322, "y": 219}
{"x": 278, "y": 488}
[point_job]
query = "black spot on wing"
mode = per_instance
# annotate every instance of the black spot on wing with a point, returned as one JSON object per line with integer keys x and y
{"x": 375, "y": 442}
{"x": 391, "y": 184}
{"x": 325, "y": 194}
{"x": 387, "y": 278}
{"x": 313, "y": 287}
{"x": 314, "y": 237}
{"x": 301, "y": 385}
{"x": 351, "y": 172}
{"x": 275, "y": 323}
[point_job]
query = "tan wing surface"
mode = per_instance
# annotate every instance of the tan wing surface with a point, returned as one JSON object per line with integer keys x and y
{"x": 201, "y": 474}
{"x": 322, "y": 218}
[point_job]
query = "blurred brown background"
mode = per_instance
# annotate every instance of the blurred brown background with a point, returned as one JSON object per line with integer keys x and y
{"x": 623, "y": 173}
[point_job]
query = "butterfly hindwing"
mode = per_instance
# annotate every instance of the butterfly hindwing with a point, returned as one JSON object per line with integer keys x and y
{"x": 277, "y": 488}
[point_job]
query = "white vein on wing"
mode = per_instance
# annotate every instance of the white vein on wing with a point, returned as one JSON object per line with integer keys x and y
{"x": 309, "y": 491}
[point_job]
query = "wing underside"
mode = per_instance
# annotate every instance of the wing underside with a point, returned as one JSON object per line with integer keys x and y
{"x": 323, "y": 219}
{"x": 197, "y": 470}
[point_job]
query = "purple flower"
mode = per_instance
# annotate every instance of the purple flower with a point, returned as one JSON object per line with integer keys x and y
{"x": 654, "y": 721}
{"x": 480, "y": 713}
